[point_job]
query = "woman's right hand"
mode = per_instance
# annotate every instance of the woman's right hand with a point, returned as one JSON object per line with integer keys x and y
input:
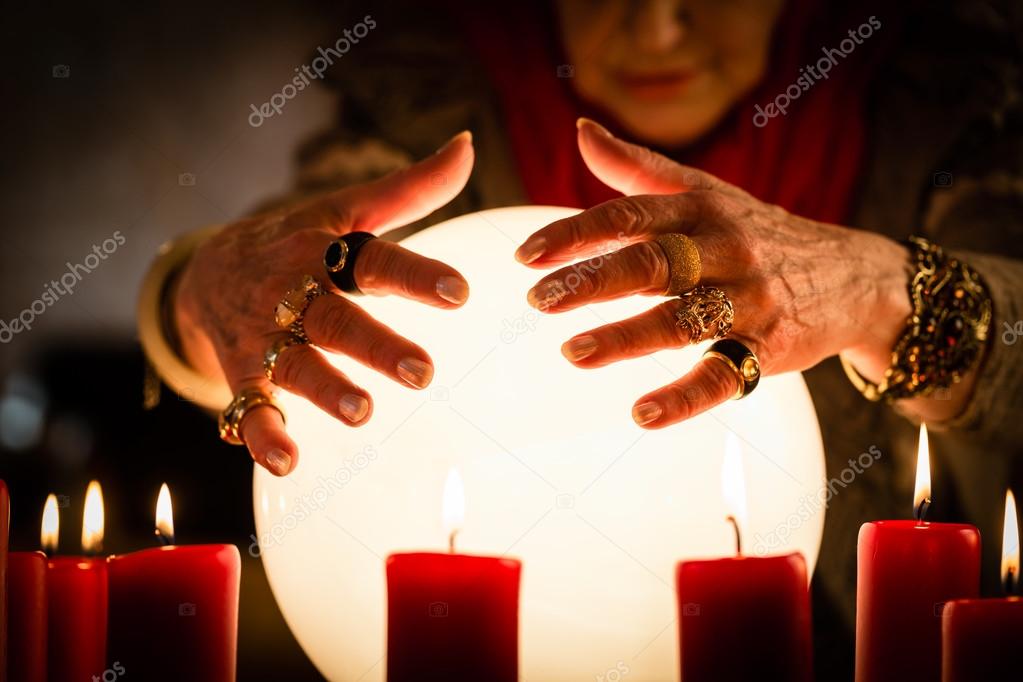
{"x": 227, "y": 294}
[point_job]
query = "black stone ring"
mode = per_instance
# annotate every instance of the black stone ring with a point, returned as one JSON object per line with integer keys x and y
{"x": 340, "y": 257}
{"x": 741, "y": 360}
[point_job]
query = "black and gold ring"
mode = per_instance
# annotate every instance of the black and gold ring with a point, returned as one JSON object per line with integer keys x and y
{"x": 230, "y": 420}
{"x": 340, "y": 257}
{"x": 741, "y": 360}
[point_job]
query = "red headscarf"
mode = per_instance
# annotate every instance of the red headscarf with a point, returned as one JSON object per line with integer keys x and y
{"x": 806, "y": 161}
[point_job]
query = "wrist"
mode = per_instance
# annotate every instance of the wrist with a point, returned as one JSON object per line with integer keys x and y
{"x": 887, "y": 304}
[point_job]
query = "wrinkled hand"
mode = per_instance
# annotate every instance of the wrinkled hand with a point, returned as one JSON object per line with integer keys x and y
{"x": 802, "y": 290}
{"x": 227, "y": 294}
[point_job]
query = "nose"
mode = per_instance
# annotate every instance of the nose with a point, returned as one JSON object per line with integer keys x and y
{"x": 658, "y": 26}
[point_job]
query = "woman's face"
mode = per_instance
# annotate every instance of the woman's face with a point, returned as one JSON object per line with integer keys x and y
{"x": 668, "y": 70}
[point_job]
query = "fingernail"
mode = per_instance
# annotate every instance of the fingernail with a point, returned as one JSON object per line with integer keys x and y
{"x": 415, "y": 372}
{"x": 353, "y": 407}
{"x": 279, "y": 461}
{"x": 644, "y": 413}
{"x": 583, "y": 121}
{"x": 531, "y": 250}
{"x": 579, "y": 348}
{"x": 453, "y": 289}
{"x": 546, "y": 295}
{"x": 466, "y": 134}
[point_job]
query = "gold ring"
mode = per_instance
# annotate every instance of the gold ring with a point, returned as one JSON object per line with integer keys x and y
{"x": 683, "y": 262}
{"x": 231, "y": 418}
{"x": 705, "y": 308}
{"x": 291, "y": 308}
{"x": 275, "y": 350}
{"x": 741, "y": 360}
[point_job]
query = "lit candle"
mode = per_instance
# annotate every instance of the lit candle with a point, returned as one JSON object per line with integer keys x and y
{"x": 174, "y": 609}
{"x": 980, "y": 636}
{"x": 906, "y": 571}
{"x": 77, "y": 593}
{"x": 452, "y": 616}
{"x": 741, "y": 617}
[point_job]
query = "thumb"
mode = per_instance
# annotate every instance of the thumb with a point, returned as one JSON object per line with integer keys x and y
{"x": 408, "y": 194}
{"x": 632, "y": 169}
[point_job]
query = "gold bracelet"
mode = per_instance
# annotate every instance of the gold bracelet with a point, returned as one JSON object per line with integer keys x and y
{"x": 945, "y": 334}
{"x": 160, "y": 352}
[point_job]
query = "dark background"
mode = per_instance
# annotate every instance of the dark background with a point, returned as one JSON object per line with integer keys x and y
{"x": 108, "y": 107}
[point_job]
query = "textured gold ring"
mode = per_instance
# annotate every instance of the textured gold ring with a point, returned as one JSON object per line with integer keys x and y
{"x": 231, "y": 418}
{"x": 706, "y": 312}
{"x": 274, "y": 351}
{"x": 683, "y": 262}
{"x": 291, "y": 309}
{"x": 741, "y": 360}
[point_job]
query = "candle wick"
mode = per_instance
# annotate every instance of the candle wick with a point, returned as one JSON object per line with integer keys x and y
{"x": 1009, "y": 584}
{"x": 164, "y": 539}
{"x": 921, "y": 510}
{"x": 451, "y": 541}
{"x": 738, "y": 536}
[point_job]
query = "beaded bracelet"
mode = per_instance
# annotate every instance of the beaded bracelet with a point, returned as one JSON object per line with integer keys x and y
{"x": 945, "y": 334}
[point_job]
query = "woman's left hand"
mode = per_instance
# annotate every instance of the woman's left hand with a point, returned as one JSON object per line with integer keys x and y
{"x": 802, "y": 290}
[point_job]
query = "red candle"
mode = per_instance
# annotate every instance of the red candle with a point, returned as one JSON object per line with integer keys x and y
{"x": 452, "y": 616}
{"x": 743, "y": 618}
{"x": 26, "y": 608}
{"x": 174, "y": 609}
{"x": 907, "y": 570}
{"x": 77, "y": 595}
{"x": 5, "y": 525}
{"x": 979, "y": 637}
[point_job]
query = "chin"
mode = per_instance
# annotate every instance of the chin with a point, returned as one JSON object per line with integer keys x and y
{"x": 666, "y": 126}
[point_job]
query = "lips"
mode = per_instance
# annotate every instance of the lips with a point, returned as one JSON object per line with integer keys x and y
{"x": 656, "y": 86}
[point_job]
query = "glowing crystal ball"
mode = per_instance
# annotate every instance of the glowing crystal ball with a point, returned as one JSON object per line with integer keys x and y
{"x": 555, "y": 471}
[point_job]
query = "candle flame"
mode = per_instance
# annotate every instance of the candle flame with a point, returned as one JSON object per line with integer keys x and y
{"x": 1010, "y": 544}
{"x": 51, "y": 525}
{"x": 165, "y": 516}
{"x": 454, "y": 505}
{"x": 92, "y": 519}
{"x": 922, "y": 495}
{"x": 733, "y": 484}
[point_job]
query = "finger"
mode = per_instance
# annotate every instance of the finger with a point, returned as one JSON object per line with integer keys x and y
{"x": 633, "y": 169}
{"x": 650, "y": 331}
{"x": 396, "y": 199}
{"x": 384, "y": 267}
{"x": 613, "y": 225}
{"x": 337, "y": 324}
{"x": 642, "y": 268}
{"x": 262, "y": 430}
{"x": 304, "y": 371}
{"x": 710, "y": 383}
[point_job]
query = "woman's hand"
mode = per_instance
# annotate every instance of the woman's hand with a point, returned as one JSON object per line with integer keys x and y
{"x": 224, "y": 307}
{"x": 802, "y": 290}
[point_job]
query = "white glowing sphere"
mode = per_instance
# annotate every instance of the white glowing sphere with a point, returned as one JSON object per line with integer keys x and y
{"x": 555, "y": 471}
